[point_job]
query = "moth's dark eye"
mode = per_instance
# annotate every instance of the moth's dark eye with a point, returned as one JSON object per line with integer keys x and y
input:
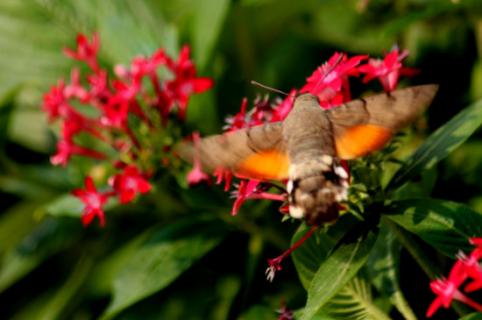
{"x": 330, "y": 176}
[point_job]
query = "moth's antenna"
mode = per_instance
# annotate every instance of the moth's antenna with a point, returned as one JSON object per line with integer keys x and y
{"x": 256, "y": 83}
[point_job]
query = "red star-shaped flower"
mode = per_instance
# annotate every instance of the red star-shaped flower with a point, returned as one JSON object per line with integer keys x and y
{"x": 238, "y": 121}
{"x": 93, "y": 201}
{"x": 282, "y": 110}
{"x": 185, "y": 82}
{"x": 473, "y": 270}
{"x": 75, "y": 89}
{"x": 66, "y": 149}
{"x": 71, "y": 127}
{"x": 387, "y": 70}
{"x": 142, "y": 66}
{"x": 54, "y": 102}
{"x": 246, "y": 189}
{"x": 448, "y": 290}
{"x": 129, "y": 183}
{"x": 223, "y": 174}
{"x": 99, "y": 86}
{"x": 330, "y": 81}
{"x": 196, "y": 175}
{"x": 85, "y": 51}
{"x": 252, "y": 189}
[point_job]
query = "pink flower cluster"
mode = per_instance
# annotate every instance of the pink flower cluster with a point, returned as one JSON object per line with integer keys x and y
{"x": 117, "y": 110}
{"x": 466, "y": 270}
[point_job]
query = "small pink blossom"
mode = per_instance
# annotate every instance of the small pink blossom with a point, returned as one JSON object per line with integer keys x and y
{"x": 252, "y": 189}
{"x": 55, "y": 103}
{"x": 129, "y": 183}
{"x": 99, "y": 87}
{"x": 223, "y": 174}
{"x": 85, "y": 51}
{"x": 465, "y": 268}
{"x": 329, "y": 82}
{"x": 238, "y": 121}
{"x": 262, "y": 111}
{"x": 282, "y": 110}
{"x": 196, "y": 175}
{"x": 446, "y": 291}
{"x": 284, "y": 313}
{"x": 246, "y": 188}
{"x": 71, "y": 127}
{"x": 74, "y": 89}
{"x": 387, "y": 70}
{"x": 66, "y": 149}
{"x": 142, "y": 66}
{"x": 185, "y": 82}
{"x": 472, "y": 269}
{"x": 94, "y": 202}
{"x": 476, "y": 242}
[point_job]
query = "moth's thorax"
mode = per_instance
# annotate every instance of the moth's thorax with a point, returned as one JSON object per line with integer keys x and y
{"x": 307, "y": 130}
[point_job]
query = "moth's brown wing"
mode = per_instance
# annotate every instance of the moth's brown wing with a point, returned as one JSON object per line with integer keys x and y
{"x": 365, "y": 125}
{"x": 256, "y": 153}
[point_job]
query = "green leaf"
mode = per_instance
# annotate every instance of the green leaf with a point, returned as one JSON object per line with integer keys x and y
{"x": 19, "y": 218}
{"x": 473, "y": 316}
{"x": 349, "y": 256}
{"x": 129, "y": 28}
{"x": 311, "y": 254}
{"x": 34, "y": 181}
{"x": 107, "y": 269}
{"x": 339, "y": 23}
{"x": 37, "y": 58}
{"x": 64, "y": 296}
{"x": 187, "y": 299}
{"x": 443, "y": 224}
{"x": 161, "y": 259}
{"x": 354, "y": 301}
{"x": 6, "y": 106}
{"x": 383, "y": 267}
{"x": 418, "y": 189}
{"x": 321, "y": 315}
{"x": 208, "y": 19}
{"x": 48, "y": 238}
{"x": 65, "y": 205}
{"x": 440, "y": 144}
{"x": 36, "y": 137}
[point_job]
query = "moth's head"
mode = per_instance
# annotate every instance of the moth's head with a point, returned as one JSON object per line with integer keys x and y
{"x": 306, "y": 98}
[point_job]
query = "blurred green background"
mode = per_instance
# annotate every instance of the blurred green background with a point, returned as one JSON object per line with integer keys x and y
{"x": 177, "y": 254}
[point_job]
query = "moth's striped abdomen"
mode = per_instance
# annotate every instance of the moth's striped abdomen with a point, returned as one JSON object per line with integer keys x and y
{"x": 315, "y": 188}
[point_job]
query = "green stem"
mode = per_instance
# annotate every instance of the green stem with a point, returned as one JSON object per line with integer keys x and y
{"x": 402, "y": 305}
{"x": 376, "y": 312}
{"x": 65, "y": 296}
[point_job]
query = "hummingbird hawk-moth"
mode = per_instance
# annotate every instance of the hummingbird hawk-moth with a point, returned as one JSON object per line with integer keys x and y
{"x": 306, "y": 148}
